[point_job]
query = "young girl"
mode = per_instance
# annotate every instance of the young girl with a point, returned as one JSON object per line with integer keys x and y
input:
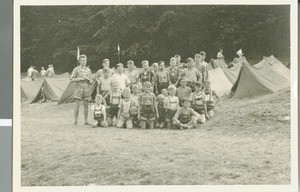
{"x": 161, "y": 111}
{"x": 161, "y": 78}
{"x": 209, "y": 97}
{"x": 125, "y": 107}
{"x": 114, "y": 101}
{"x": 199, "y": 102}
{"x": 99, "y": 112}
{"x": 185, "y": 117}
{"x": 147, "y": 107}
{"x": 171, "y": 105}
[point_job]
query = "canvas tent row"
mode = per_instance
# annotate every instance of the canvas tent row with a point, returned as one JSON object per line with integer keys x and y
{"x": 219, "y": 82}
{"x": 240, "y": 60}
{"x": 278, "y": 66}
{"x": 231, "y": 73}
{"x": 257, "y": 80}
{"x": 53, "y": 88}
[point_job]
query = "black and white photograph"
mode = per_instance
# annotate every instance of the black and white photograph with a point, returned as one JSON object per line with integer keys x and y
{"x": 154, "y": 95}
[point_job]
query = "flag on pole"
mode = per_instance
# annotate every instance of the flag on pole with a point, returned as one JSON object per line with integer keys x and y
{"x": 78, "y": 53}
{"x": 118, "y": 48}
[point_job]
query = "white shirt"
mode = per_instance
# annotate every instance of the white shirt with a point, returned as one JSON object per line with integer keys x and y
{"x": 122, "y": 80}
{"x": 29, "y": 72}
{"x": 239, "y": 52}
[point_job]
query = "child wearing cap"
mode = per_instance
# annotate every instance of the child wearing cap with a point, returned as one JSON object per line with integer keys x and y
{"x": 127, "y": 107}
{"x": 161, "y": 78}
{"x": 120, "y": 77}
{"x": 171, "y": 105}
{"x": 209, "y": 97}
{"x": 199, "y": 102}
{"x": 99, "y": 112}
{"x": 174, "y": 72}
{"x": 185, "y": 117}
{"x": 147, "y": 107}
{"x": 114, "y": 96}
{"x": 161, "y": 111}
{"x": 132, "y": 73}
{"x": 183, "y": 92}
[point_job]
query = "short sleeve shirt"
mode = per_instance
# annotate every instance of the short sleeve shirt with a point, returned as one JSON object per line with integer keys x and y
{"x": 172, "y": 102}
{"x": 122, "y": 80}
{"x": 191, "y": 75}
{"x": 79, "y": 72}
{"x": 147, "y": 98}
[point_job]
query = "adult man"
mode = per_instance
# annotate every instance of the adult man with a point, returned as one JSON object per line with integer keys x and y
{"x": 82, "y": 76}
{"x": 120, "y": 77}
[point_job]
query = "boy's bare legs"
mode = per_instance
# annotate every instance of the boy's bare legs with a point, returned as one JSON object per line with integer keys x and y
{"x": 109, "y": 121}
{"x": 151, "y": 124}
{"x": 76, "y": 111}
{"x": 143, "y": 124}
{"x": 85, "y": 111}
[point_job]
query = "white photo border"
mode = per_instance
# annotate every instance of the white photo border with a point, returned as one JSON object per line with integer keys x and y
{"x": 16, "y": 171}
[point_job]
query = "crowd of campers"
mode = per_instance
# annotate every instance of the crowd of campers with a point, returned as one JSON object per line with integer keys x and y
{"x": 180, "y": 96}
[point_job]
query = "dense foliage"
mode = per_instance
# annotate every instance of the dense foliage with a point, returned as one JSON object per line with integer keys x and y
{"x": 51, "y": 34}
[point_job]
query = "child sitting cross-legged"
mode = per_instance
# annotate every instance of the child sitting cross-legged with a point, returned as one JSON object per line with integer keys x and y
{"x": 99, "y": 112}
{"x": 185, "y": 117}
{"x": 126, "y": 107}
{"x": 171, "y": 105}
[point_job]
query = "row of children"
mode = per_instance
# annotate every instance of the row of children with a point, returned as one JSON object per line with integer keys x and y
{"x": 139, "y": 109}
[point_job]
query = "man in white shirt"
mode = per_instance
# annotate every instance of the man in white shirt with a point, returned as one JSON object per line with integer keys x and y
{"x": 120, "y": 77}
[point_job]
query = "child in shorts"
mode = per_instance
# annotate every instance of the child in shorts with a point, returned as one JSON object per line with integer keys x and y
{"x": 161, "y": 111}
{"x": 183, "y": 92}
{"x": 161, "y": 78}
{"x": 185, "y": 117}
{"x": 126, "y": 107}
{"x": 146, "y": 74}
{"x": 131, "y": 72}
{"x": 114, "y": 96}
{"x": 147, "y": 107}
{"x": 199, "y": 102}
{"x": 135, "y": 95}
{"x": 209, "y": 97}
{"x": 99, "y": 112}
{"x": 171, "y": 105}
{"x": 104, "y": 83}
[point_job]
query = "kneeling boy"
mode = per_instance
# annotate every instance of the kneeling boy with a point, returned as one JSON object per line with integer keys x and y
{"x": 185, "y": 117}
{"x": 99, "y": 112}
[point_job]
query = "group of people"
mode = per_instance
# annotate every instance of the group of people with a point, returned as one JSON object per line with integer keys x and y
{"x": 158, "y": 97}
{"x": 33, "y": 74}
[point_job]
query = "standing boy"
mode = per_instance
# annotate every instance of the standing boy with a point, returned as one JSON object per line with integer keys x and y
{"x": 201, "y": 65}
{"x": 146, "y": 75}
{"x": 171, "y": 105}
{"x": 183, "y": 92}
{"x": 174, "y": 72}
{"x": 199, "y": 102}
{"x": 191, "y": 74}
{"x": 132, "y": 73}
{"x": 147, "y": 107}
{"x": 82, "y": 76}
{"x": 161, "y": 78}
{"x": 209, "y": 97}
{"x": 120, "y": 77}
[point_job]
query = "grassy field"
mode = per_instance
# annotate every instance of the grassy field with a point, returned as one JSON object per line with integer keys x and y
{"x": 248, "y": 142}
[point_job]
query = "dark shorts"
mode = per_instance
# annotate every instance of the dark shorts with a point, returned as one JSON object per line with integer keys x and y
{"x": 161, "y": 112}
{"x": 147, "y": 113}
{"x": 113, "y": 111}
{"x": 161, "y": 86}
{"x": 199, "y": 109}
{"x": 82, "y": 91}
{"x": 169, "y": 114}
{"x": 184, "y": 119}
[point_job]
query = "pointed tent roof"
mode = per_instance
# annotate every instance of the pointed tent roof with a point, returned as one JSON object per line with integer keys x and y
{"x": 240, "y": 60}
{"x": 258, "y": 80}
{"x": 278, "y": 66}
{"x": 219, "y": 82}
{"x": 31, "y": 90}
{"x": 68, "y": 94}
{"x": 218, "y": 63}
{"x": 55, "y": 87}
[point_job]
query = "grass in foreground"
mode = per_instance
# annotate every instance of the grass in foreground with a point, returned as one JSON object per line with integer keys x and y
{"x": 248, "y": 142}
